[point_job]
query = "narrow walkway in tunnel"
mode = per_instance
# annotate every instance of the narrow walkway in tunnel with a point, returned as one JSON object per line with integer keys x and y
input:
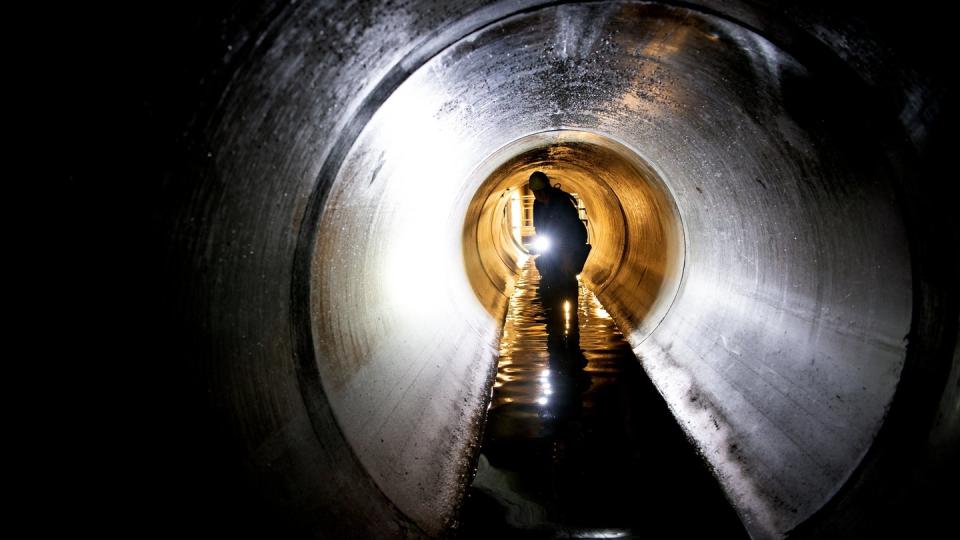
{"x": 578, "y": 443}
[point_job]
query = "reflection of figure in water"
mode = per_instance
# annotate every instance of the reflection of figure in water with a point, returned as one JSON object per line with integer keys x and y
{"x": 561, "y": 251}
{"x": 557, "y": 222}
{"x": 529, "y": 471}
{"x": 562, "y": 427}
{"x": 567, "y": 378}
{"x": 561, "y": 239}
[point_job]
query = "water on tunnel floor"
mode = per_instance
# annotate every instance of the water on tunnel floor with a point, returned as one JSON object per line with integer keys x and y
{"x": 578, "y": 443}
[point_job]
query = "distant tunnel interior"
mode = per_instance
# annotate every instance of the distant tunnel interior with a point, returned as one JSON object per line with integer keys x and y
{"x": 755, "y": 231}
{"x": 633, "y": 223}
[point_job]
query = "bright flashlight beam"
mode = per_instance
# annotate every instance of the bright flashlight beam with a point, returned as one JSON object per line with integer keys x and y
{"x": 542, "y": 244}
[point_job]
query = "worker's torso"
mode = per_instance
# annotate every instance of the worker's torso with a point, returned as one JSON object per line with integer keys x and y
{"x": 559, "y": 220}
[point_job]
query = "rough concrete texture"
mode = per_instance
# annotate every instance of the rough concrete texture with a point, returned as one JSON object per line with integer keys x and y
{"x": 769, "y": 260}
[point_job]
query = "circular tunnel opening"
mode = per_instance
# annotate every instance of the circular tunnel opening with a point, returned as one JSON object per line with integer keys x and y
{"x": 632, "y": 220}
{"x": 810, "y": 348}
{"x": 786, "y": 280}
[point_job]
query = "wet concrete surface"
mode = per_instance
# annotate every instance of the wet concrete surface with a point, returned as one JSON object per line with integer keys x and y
{"x": 578, "y": 443}
{"x": 314, "y": 338}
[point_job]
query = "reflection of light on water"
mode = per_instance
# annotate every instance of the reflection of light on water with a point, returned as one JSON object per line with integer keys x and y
{"x": 545, "y": 387}
{"x": 598, "y": 308}
{"x": 566, "y": 317}
{"x": 522, "y": 260}
{"x": 601, "y": 534}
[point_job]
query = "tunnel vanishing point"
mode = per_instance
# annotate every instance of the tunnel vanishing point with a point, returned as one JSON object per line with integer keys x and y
{"x": 763, "y": 188}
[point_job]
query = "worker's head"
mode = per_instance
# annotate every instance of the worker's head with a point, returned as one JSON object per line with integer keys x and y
{"x": 538, "y": 184}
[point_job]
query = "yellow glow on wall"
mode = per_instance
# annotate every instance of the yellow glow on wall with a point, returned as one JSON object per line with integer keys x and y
{"x": 516, "y": 216}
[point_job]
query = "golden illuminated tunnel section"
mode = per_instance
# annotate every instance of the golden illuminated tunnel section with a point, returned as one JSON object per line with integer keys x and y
{"x": 636, "y": 263}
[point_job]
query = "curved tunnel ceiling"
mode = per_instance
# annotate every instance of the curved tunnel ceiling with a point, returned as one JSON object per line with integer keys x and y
{"x": 780, "y": 354}
{"x": 754, "y": 248}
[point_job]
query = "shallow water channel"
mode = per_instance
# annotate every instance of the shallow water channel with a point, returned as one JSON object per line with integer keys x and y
{"x": 578, "y": 443}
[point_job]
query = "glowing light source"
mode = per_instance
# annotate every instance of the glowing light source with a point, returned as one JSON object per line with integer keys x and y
{"x": 541, "y": 244}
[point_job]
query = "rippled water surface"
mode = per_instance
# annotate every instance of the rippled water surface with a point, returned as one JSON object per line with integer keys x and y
{"x": 578, "y": 443}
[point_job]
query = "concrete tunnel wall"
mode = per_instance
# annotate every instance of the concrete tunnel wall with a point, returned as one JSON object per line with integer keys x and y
{"x": 349, "y": 152}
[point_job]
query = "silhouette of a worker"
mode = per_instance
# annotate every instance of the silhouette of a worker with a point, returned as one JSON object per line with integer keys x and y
{"x": 561, "y": 236}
